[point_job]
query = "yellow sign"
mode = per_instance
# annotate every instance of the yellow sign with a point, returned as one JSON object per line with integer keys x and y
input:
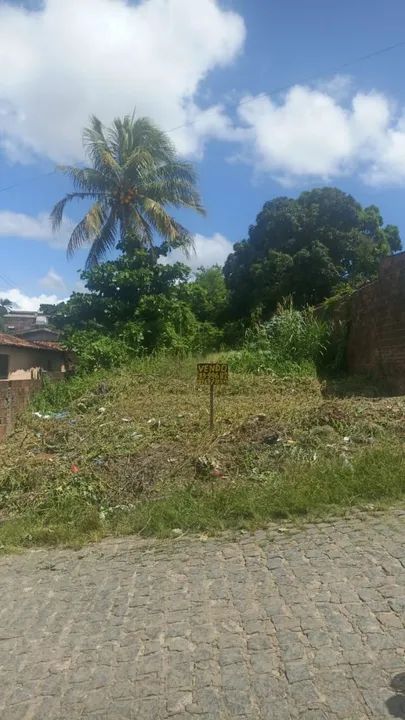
{"x": 212, "y": 374}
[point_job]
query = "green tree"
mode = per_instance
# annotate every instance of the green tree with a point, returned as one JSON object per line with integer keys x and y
{"x": 134, "y": 305}
{"x": 115, "y": 290}
{"x": 306, "y": 247}
{"x": 134, "y": 176}
{"x": 208, "y": 295}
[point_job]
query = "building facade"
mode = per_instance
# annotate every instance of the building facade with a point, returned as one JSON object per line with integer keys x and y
{"x": 22, "y": 359}
{"x": 29, "y": 324}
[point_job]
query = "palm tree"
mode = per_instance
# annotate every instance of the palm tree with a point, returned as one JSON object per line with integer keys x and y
{"x": 5, "y": 306}
{"x": 135, "y": 175}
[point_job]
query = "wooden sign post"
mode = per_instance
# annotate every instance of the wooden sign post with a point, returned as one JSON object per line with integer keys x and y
{"x": 212, "y": 374}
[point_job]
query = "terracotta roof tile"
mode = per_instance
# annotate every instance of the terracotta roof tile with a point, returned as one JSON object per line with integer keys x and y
{"x": 48, "y": 345}
{"x": 14, "y": 341}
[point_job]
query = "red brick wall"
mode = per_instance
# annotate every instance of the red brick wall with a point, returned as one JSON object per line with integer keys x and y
{"x": 376, "y": 340}
{"x": 14, "y": 396}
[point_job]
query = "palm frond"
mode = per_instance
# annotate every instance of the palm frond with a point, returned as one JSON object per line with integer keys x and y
{"x": 174, "y": 184}
{"x": 147, "y": 135}
{"x": 184, "y": 239}
{"x": 160, "y": 220}
{"x": 98, "y": 149}
{"x": 105, "y": 241}
{"x": 178, "y": 170}
{"x": 139, "y": 166}
{"x": 176, "y": 193}
{"x": 128, "y": 134}
{"x": 132, "y": 222}
{"x": 119, "y": 141}
{"x": 175, "y": 234}
{"x": 56, "y": 215}
{"x": 87, "y": 229}
{"x": 143, "y": 228}
{"x": 87, "y": 179}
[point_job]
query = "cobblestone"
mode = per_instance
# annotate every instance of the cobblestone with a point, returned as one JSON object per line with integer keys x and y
{"x": 307, "y": 624}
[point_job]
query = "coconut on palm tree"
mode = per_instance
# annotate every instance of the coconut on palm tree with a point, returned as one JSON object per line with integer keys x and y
{"x": 134, "y": 178}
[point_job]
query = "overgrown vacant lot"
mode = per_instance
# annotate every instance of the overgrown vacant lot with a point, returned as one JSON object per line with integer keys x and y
{"x": 131, "y": 451}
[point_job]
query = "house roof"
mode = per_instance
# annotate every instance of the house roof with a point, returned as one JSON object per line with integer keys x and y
{"x": 37, "y": 329}
{"x": 48, "y": 345}
{"x": 23, "y": 313}
{"x": 14, "y": 341}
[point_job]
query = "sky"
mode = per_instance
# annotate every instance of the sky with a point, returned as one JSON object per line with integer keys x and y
{"x": 266, "y": 97}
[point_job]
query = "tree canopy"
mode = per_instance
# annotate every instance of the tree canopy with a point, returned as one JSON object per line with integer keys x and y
{"x": 306, "y": 247}
{"x": 145, "y": 304}
{"x": 134, "y": 176}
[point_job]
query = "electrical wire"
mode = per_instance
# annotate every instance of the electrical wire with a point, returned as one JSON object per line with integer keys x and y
{"x": 274, "y": 91}
{"x": 11, "y": 285}
{"x": 27, "y": 180}
{"x": 308, "y": 78}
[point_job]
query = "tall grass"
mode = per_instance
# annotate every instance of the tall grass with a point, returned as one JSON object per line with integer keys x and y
{"x": 309, "y": 490}
{"x": 57, "y": 396}
{"x": 291, "y": 343}
{"x": 134, "y": 452}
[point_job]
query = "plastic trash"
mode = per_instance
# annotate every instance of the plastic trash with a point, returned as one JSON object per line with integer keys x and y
{"x": 216, "y": 473}
{"x": 52, "y": 415}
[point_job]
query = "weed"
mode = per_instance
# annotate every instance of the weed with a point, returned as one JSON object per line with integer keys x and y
{"x": 291, "y": 343}
{"x": 309, "y": 490}
{"x": 133, "y": 453}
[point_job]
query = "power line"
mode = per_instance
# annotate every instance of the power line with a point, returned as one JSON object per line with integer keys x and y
{"x": 27, "y": 180}
{"x": 264, "y": 93}
{"x": 11, "y": 285}
{"x": 8, "y": 280}
{"x": 337, "y": 68}
{"x": 308, "y": 78}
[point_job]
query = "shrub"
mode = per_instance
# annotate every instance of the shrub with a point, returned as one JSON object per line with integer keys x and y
{"x": 208, "y": 338}
{"x": 262, "y": 361}
{"x": 292, "y": 342}
{"x": 58, "y": 396}
{"x": 296, "y": 335}
{"x": 95, "y": 350}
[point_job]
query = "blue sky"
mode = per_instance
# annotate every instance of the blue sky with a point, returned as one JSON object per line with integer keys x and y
{"x": 215, "y": 67}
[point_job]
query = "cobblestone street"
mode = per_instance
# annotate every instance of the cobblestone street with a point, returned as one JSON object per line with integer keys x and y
{"x": 305, "y": 624}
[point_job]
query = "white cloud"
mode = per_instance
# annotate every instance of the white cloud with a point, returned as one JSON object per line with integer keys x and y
{"x": 339, "y": 87}
{"x": 70, "y": 59}
{"x": 20, "y": 225}
{"x": 208, "y": 251}
{"x": 28, "y": 302}
{"x": 310, "y": 133}
{"x": 80, "y": 286}
{"x": 53, "y": 281}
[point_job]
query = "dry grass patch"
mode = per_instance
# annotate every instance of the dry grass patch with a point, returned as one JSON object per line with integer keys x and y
{"x": 132, "y": 452}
